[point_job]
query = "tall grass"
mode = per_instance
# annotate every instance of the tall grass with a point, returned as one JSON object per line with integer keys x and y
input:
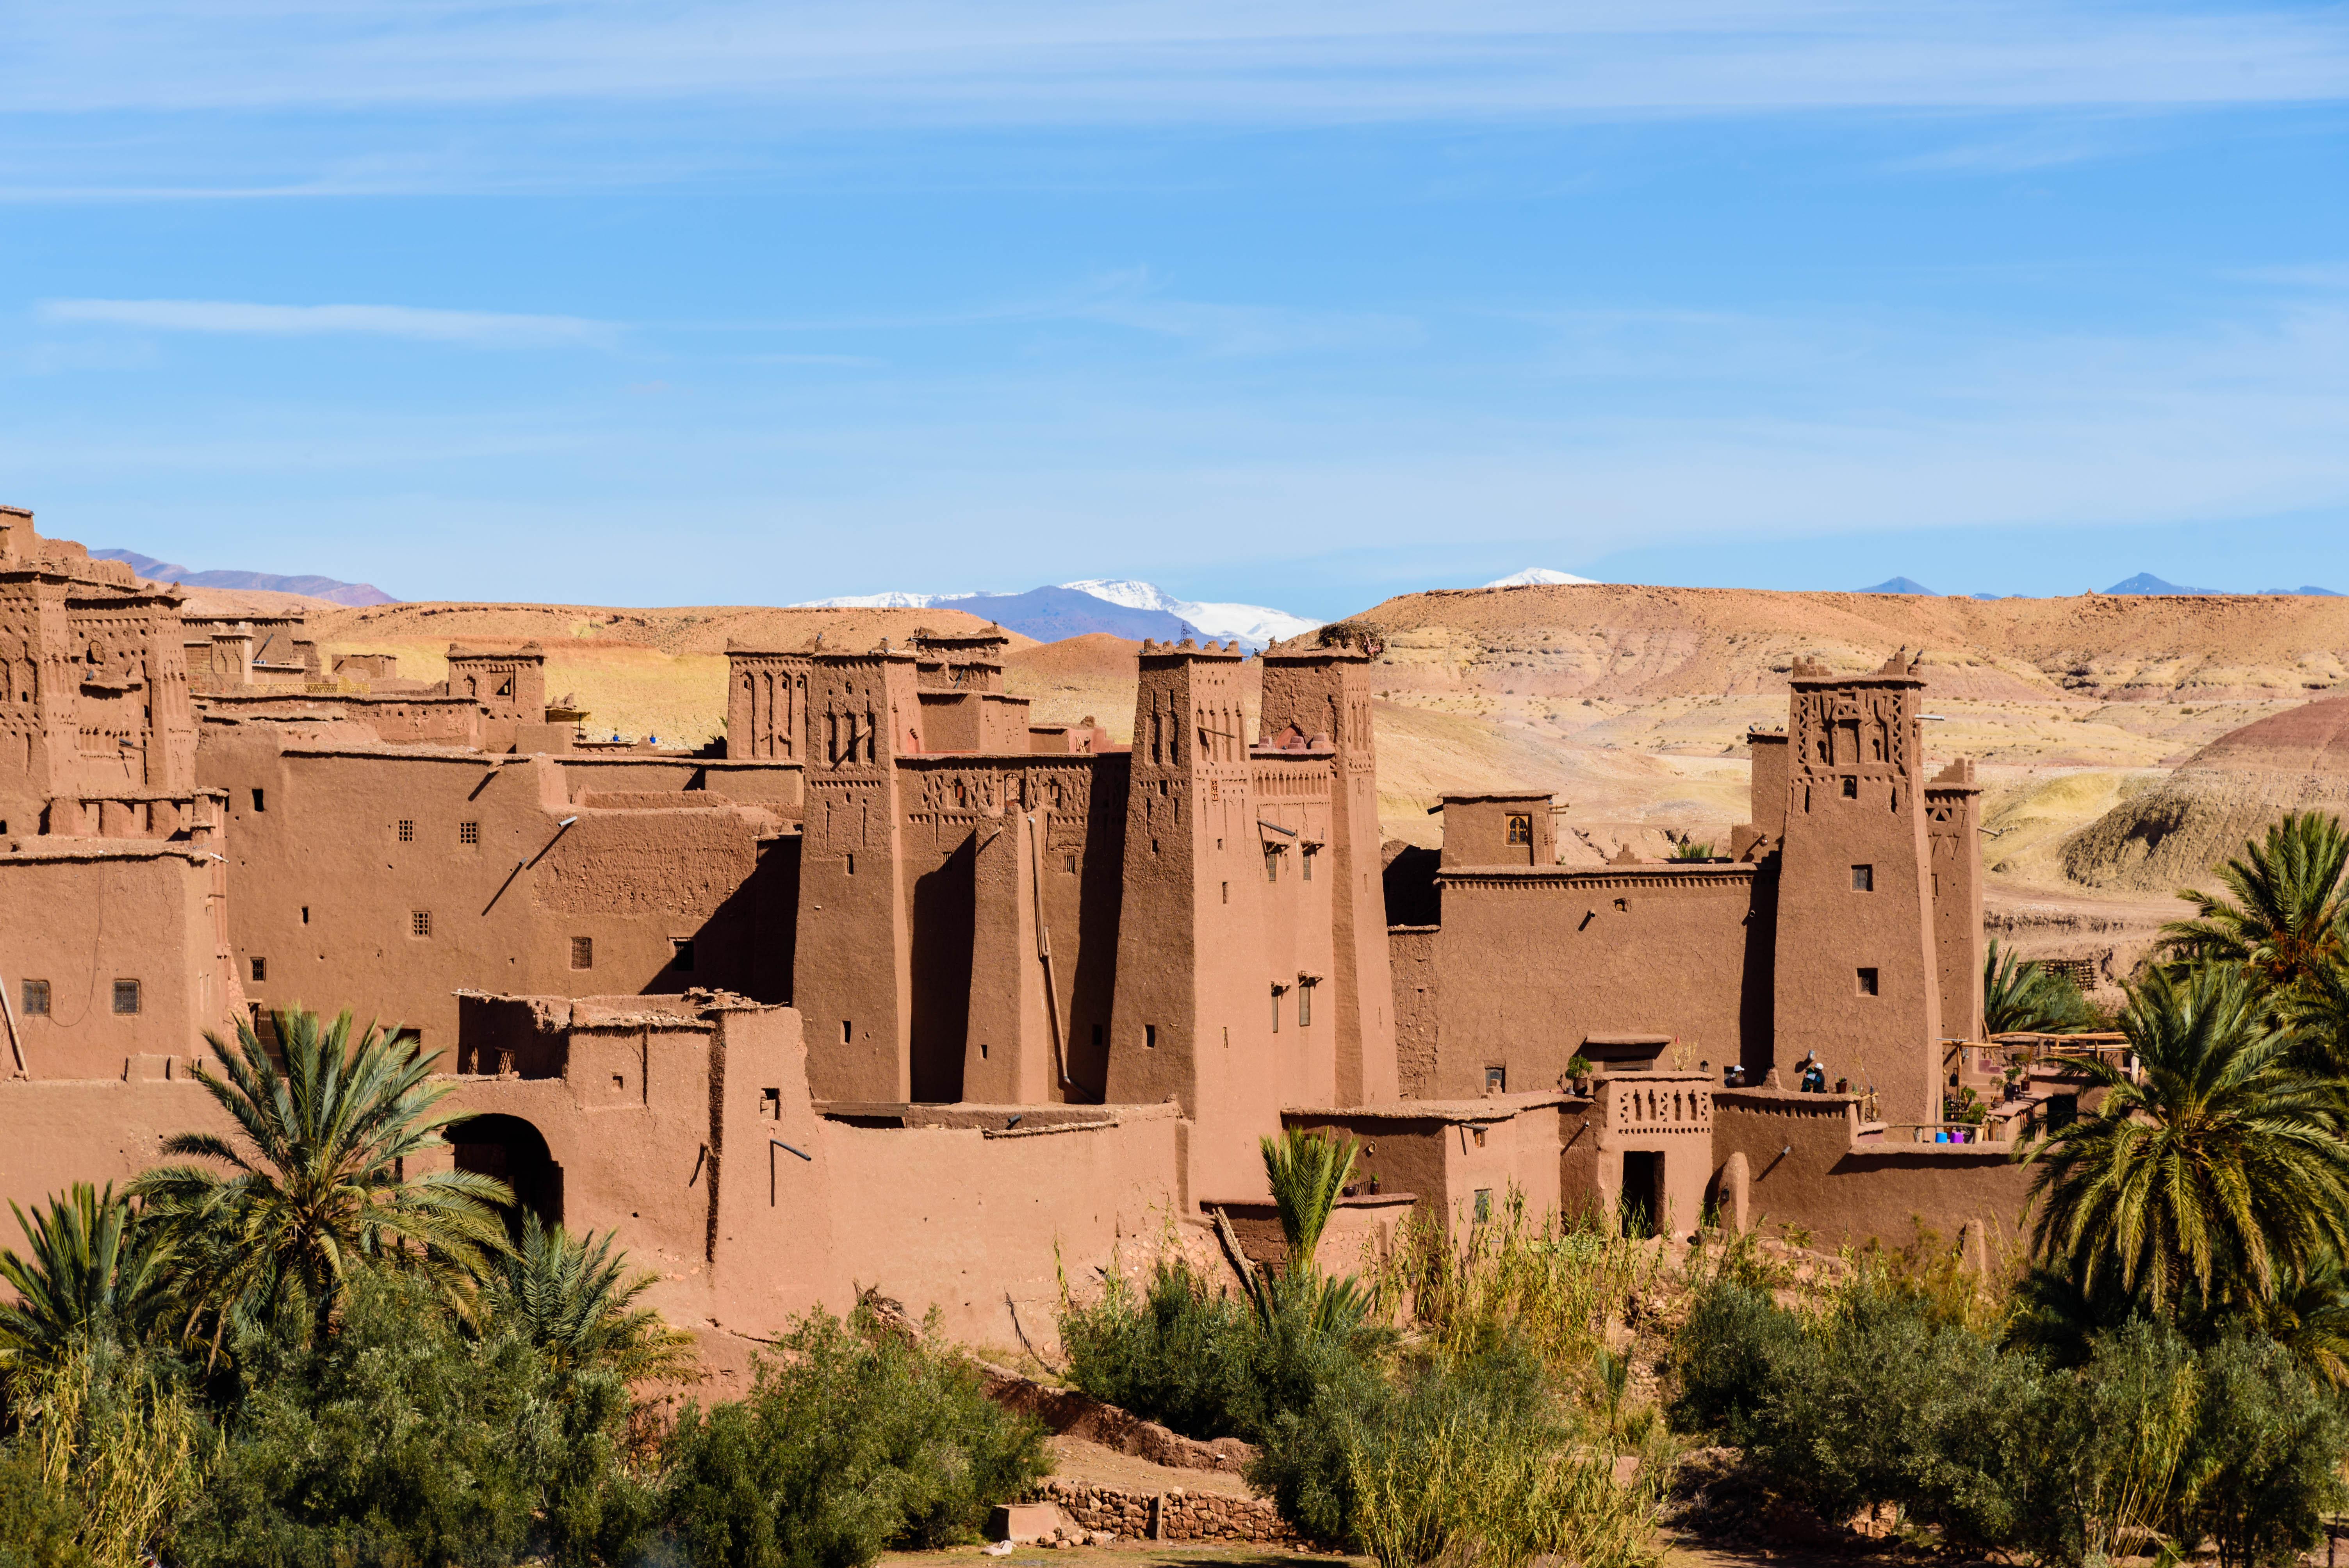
{"x": 1560, "y": 1290}
{"x": 118, "y": 1435}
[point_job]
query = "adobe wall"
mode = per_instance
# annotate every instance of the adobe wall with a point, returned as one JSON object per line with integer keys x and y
{"x": 688, "y": 1129}
{"x": 1532, "y": 964}
{"x": 342, "y": 911}
{"x": 1418, "y": 1004}
{"x": 1805, "y": 1167}
{"x": 1665, "y": 1115}
{"x": 84, "y": 914}
{"x": 1011, "y": 936}
{"x": 1447, "y": 1152}
{"x": 101, "y": 1132}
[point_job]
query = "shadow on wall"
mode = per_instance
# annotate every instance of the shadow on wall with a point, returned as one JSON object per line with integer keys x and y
{"x": 1409, "y": 880}
{"x": 514, "y": 1152}
{"x": 749, "y": 942}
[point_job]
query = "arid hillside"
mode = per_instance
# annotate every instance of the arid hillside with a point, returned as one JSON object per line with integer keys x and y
{"x": 2202, "y": 812}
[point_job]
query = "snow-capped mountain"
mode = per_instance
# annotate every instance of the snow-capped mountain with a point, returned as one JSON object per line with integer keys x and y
{"x": 881, "y": 602}
{"x": 1534, "y": 575}
{"x": 1255, "y": 625}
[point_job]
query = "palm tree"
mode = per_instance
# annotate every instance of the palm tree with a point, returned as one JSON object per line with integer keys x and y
{"x": 2219, "y": 1177}
{"x": 1308, "y": 1174}
{"x": 2285, "y": 921}
{"x": 314, "y": 1184}
{"x": 2018, "y": 995}
{"x": 95, "y": 1272}
{"x": 2317, "y": 1010}
{"x": 572, "y": 1297}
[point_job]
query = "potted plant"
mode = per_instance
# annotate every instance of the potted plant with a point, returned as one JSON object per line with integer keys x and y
{"x": 1578, "y": 1072}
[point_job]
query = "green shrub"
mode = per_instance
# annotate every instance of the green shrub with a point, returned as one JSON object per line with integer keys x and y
{"x": 2264, "y": 1455}
{"x": 851, "y": 1440}
{"x": 37, "y": 1522}
{"x": 1170, "y": 1353}
{"x": 397, "y": 1440}
{"x": 1727, "y": 1357}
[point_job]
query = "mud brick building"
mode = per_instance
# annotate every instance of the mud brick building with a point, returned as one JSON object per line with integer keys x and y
{"x": 895, "y": 986}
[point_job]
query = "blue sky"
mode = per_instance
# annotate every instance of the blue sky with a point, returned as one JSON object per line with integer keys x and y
{"x": 1291, "y": 302}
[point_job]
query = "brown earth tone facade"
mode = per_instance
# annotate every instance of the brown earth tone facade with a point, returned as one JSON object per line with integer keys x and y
{"x": 891, "y": 986}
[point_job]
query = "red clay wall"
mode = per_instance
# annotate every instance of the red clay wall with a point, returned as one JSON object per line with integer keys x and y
{"x": 1411, "y": 956}
{"x": 324, "y": 890}
{"x": 1531, "y": 964}
{"x": 1806, "y": 1170}
{"x": 83, "y": 913}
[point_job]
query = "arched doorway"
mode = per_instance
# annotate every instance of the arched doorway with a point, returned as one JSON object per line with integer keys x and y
{"x": 512, "y": 1151}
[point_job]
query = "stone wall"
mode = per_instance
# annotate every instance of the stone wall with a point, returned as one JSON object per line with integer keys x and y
{"x": 1175, "y": 1514}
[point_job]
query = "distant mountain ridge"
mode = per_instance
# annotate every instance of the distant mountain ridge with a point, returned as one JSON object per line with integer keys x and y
{"x": 1121, "y": 607}
{"x": 1899, "y": 585}
{"x": 359, "y": 595}
{"x": 2146, "y": 583}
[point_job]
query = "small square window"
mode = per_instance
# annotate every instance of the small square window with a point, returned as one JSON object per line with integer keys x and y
{"x": 1272, "y": 865}
{"x": 257, "y": 802}
{"x": 411, "y": 1038}
{"x": 582, "y": 953}
{"x": 1867, "y": 982}
{"x": 1863, "y": 878}
{"x": 419, "y": 922}
{"x": 1496, "y": 1080}
{"x": 1227, "y": 893}
{"x": 1483, "y": 1204}
{"x": 1851, "y": 789}
{"x": 1068, "y": 863}
{"x": 1521, "y": 828}
{"x": 771, "y": 1104}
{"x": 680, "y": 954}
{"x": 1149, "y": 1035}
{"x": 407, "y": 829}
{"x": 305, "y": 914}
{"x": 1305, "y": 1006}
{"x": 1308, "y": 862}
{"x": 505, "y": 686}
{"x": 260, "y": 969}
{"x": 36, "y": 999}
{"x": 1478, "y": 1134}
{"x": 851, "y": 863}
{"x": 468, "y": 833}
{"x": 847, "y": 1030}
{"x": 1622, "y": 906}
{"x": 1276, "y": 1009}
{"x": 126, "y": 996}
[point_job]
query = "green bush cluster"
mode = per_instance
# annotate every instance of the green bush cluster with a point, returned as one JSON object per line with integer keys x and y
{"x": 849, "y": 1442}
{"x": 1880, "y": 1402}
{"x": 1462, "y": 1432}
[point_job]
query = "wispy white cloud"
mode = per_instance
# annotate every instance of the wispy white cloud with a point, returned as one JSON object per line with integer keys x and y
{"x": 1154, "y": 61}
{"x": 484, "y": 328}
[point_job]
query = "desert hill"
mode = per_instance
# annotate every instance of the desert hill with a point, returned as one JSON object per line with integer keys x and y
{"x": 2171, "y": 834}
{"x": 1620, "y": 642}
